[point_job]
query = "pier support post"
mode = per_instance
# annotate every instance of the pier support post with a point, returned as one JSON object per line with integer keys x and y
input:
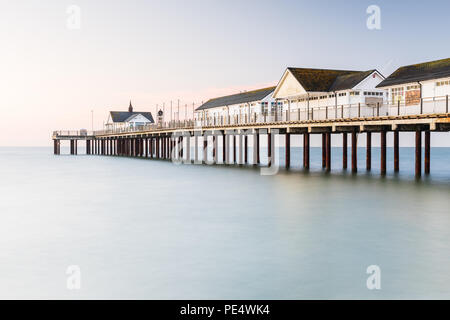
{"x": 383, "y": 153}
{"x": 328, "y": 140}
{"x": 157, "y": 146}
{"x": 224, "y": 147}
{"x": 427, "y": 151}
{"x": 241, "y": 148}
{"x": 150, "y": 149}
{"x": 234, "y": 148}
{"x": 396, "y": 151}
{"x": 269, "y": 148}
{"x": 188, "y": 147}
{"x": 418, "y": 153}
{"x": 344, "y": 150}
{"x": 245, "y": 148}
{"x": 55, "y": 146}
{"x": 354, "y": 152}
{"x": 195, "y": 147}
{"x": 306, "y": 150}
{"x": 146, "y": 147}
{"x": 287, "y": 147}
{"x": 205, "y": 148}
{"x": 369, "y": 151}
{"x": 181, "y": 148}
{"x": 324, "y": 150}
{"x": 214, "y": 149}
{"x": 258, "y": 160}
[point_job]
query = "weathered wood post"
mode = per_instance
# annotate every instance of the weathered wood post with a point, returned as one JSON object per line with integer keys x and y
{"x": 55, "y": 146}
{"x": 257, "y": 150}
{"x": 369, "y": 151}
{"x": 234, "y": 148}
{"x": 269, "y": 148}
{"x": 418, "y": 153}
{"x": 205, "y": 148}
{"x": 383, "y": 152}
{"x": 188, "y": 146}
{"x": 396, "y": 151}
{"x": 324, "y": 150}
{"x": 354, "y": 152}
{"x": 328, "y": 140}
{"x": 241, "y": 148}
{"x": 214, "y": 149}
{"x": 344, "y": 150}
{"x": 224, "y": 147}
{"x": 287, "y": 150}
{"x": 427, "y": 151}
{"x": 195, "y": 147}
{"x": 306, "y": 151}
{"x": 157, "y": 147}
{"x": 245, "y": 148}
{"x": 181, "y": 148}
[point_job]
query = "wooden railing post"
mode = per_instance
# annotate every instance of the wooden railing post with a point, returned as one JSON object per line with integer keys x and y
{"x": 446, "y": 104}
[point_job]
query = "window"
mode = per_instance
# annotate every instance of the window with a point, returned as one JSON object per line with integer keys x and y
{"x": 354, "y": 93}
{"x": 415, "y": 87}
{"x": 397, "y": 94}
{"x": 442, "y": 83}
{"x": 342, "y": 94}
{"x": 264, "y": 107}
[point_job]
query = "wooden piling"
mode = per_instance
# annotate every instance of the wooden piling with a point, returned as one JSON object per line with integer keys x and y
{"x": 344, "y": 150}
{"x": 258, "y": 161}
{"x": 418, "y": 153}
{"x": 224, "y": 148}
{"x": 369, "y": 151}
{"x": 328, "y": 153}
{"x": 306, "y": 150}
{"x": 354, "y": 152}
{"x": 287, "y": 150}
{"x": 427, "y": 151}
{"x": 324, "y": 150}
{"x": 269, "y": 149}
{"x": 383, "y": 153}
{"x": 396, "y": 151}
{"x": 245, "y": 149}
{"x": 205, "y": 148}
{"x": 234, "y": 148}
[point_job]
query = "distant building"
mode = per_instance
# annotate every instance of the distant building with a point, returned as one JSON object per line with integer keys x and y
{"x": 409, "y": 85}
{"x": 236, "y": 108}
{"x": 128, "y": 119}
{"x": 303, "y": 89}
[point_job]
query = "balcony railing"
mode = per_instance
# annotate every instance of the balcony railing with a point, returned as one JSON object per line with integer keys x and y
{"x": 346, "y": 111}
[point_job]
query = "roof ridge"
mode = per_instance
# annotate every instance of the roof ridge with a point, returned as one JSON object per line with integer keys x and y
{"x": 251, "y": 91}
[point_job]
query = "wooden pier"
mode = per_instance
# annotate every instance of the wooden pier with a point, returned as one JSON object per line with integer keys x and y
{"x": 161, "y": 142}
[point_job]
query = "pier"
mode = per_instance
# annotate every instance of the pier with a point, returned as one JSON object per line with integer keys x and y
{"x": 169, "y": 140}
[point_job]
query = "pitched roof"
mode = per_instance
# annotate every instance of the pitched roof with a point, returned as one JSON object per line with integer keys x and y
{"x": 418, "y": 72}
{"x": 238, "y": 98}
{"x": 326, "y": 80}
{"x": 122, "y": 116}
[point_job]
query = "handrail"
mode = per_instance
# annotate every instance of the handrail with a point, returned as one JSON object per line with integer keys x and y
{"x": 427, "y": 105}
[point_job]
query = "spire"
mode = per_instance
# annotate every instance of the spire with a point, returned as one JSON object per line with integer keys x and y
{"x": 130, "y": 108}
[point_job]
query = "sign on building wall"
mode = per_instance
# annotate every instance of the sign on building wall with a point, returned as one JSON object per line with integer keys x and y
{"x": 412, "y": 97}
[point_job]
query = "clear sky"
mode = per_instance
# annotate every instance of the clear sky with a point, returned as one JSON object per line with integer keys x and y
{"x": 155, "y": 51}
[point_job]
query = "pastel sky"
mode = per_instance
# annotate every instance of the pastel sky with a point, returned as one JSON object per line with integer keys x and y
{"x": 155, "y": 51}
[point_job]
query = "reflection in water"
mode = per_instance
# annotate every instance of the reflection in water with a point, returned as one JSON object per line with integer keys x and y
{"x": 150, "y": 229}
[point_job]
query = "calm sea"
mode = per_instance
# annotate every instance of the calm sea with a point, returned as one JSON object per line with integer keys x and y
{"x": 150, "y": 229}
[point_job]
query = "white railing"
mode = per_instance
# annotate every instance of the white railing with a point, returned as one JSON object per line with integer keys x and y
{"x": 347, "y": 111}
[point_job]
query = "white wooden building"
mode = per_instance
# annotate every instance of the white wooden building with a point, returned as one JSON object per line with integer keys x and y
{"x": 237, "y": 108}
{"x": 308, "y": 94}
{"x": 419, "y": 88}
{"x": 128, "y": 119}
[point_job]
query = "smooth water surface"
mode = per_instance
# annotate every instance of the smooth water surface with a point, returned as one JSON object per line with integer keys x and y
{"x": 148, "y": 229}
